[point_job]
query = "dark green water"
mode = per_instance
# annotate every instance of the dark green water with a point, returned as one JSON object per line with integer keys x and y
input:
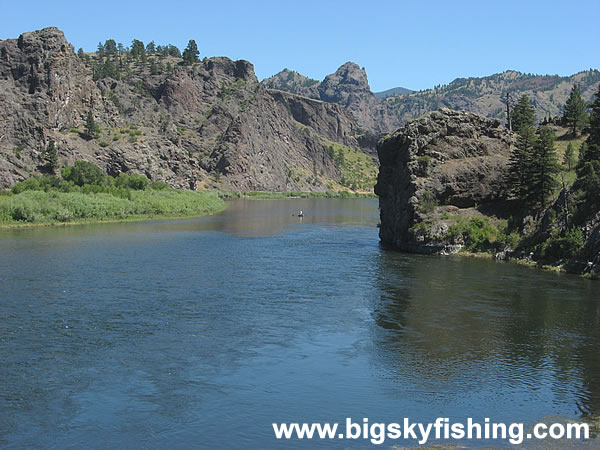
{"x": 203, "y": 332}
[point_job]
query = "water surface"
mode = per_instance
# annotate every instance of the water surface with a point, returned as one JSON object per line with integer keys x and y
{"x": 203, "y": 332}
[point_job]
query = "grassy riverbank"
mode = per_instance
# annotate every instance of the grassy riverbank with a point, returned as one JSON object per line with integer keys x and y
{"x": 49, "y": 208}
{"x": 84, "y": 194}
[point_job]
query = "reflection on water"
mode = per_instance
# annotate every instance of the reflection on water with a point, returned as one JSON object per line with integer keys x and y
{"x": 511, "y": 335}
{"x": 202, "y": 332}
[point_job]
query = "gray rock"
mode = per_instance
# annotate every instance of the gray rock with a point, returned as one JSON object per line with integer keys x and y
{"x": 446, "y": 163}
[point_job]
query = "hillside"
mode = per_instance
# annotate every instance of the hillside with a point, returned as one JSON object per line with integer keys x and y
{"x": 209, "y": 124}
{"x": 393, "y": 91}
{"x": 548, "y": 94}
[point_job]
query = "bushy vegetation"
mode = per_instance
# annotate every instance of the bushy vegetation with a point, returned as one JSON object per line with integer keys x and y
{"x": 562, "y": 247}
{"x": 479, "y": 234}
{"x": 84, "y": 193}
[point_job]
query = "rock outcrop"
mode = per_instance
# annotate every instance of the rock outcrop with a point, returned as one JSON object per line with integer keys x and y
{"x": 207, "y": 125}
{"x": 348, "y": 87}
{"x": 294, "y": 82}
{"x": 444, "y": 165}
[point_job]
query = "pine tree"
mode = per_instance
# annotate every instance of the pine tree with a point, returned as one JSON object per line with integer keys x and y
{"x": 51, "y": 157}
{"x": 137, "y": 48}
{"x": 100, "y": 50}
{"x": 582, "y": 155}
{"x": 91, "y": 127}
{"x": 543, "y": 168}
{"x": 569, "y": 156}
{"x": 574, "y": 114}
{"x": 110, "y": 47}
{"x": 594, "y": 137}
{"x": 520, "y": 163}
{"x": 190, "y": 54}
{"x": 523, "y": 114}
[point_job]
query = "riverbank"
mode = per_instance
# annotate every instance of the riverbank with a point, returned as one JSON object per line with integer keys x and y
{"x": 527, "y": 262}
{"x": 39, "y": 208}
{"x": 264, "y": 195}
{"x": 53, "y": 208}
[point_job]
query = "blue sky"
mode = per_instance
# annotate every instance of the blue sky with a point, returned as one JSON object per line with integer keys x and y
{"x": 411, "y": 44}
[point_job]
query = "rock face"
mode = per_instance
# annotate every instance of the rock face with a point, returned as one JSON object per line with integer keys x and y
{"x": 207, "y": 125}
{"x": 348, "y": 87}
{"x": 446, "y": 163}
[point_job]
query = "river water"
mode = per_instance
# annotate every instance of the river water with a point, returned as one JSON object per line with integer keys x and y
{"x": 203, "y": 332}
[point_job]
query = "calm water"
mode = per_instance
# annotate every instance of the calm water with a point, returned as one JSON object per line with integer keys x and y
{"x": 201, "y": 333}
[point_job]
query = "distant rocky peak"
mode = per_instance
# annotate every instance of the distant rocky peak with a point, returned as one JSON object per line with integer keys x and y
{"x": 349, "y": 79}
{"x": 352, "y": 73}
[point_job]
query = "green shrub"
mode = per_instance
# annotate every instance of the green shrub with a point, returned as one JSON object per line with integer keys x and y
{"x": 478, "y": 234}
{"x": 43, "y": 183}
{"x": 132, "y": 181}
{"x": 103, "y": 144}
{"x": 563, "y": 247}
{"x": 83, "y": 172}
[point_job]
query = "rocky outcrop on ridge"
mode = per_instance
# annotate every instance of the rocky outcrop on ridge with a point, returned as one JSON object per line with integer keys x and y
{"x": 202, "y": 126}
{"x": 348, "y": 87}
{"x": 445, "y": 164}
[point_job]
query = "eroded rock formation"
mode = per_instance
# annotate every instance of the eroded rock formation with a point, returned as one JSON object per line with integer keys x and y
{"x": 443, "y": 165}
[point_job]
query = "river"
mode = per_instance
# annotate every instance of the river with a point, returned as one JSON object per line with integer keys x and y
{"x": 203, "y": 332}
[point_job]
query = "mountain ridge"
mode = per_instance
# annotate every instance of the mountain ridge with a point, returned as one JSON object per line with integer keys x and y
{"x": 206, "y": 125}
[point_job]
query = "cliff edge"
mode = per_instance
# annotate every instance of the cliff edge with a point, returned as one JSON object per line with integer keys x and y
{"x": 439, "y": 168}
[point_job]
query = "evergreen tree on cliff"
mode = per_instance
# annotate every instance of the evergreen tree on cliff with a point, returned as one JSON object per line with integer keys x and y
{"x": 543, "y": 169}
{"x": 594, "y": 137}
{"x": 520, "y": 163}
{"x": 574, "y": 115}
{"x": 51, "y": 157}
{"x": 190, "y": 54}
{"x": 523, "y": 114}
{"x": 91, "y": 127}
{"x": 588, "y": 167}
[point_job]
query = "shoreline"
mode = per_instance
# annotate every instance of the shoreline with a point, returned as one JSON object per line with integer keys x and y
{"x": 560, "y": 269}
{"x": 141, "y": 218}
{"x": 266, "y": 195}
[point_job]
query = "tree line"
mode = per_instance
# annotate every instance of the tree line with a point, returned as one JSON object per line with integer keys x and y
{"x": 534, "y": 170}
{"x": 113, "y": 59}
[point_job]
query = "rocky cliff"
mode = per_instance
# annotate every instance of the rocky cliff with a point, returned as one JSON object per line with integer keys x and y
{"x": 207, "y": 125}
{"x": 348, "y": 87}
{"x": 441, "y": 167}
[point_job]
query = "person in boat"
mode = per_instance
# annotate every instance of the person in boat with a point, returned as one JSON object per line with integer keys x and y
{"x": 300, "y": 214}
